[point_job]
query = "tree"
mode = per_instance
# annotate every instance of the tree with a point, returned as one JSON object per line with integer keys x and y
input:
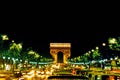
{"x": 114, "y": 44}
{"x": 15, "y": 50}
{"x": 84, "y": 58}
{"x": 3, "y": 38}
{"x": 96, "y": 54}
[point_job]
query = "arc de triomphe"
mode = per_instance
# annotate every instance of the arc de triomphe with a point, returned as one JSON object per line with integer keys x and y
{"x": 60, "y": 48}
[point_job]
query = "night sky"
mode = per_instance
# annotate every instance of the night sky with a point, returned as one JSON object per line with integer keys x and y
{"x": 84, "y": 28}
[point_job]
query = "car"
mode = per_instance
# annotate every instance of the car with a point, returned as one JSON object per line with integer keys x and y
{"x": 67, "y": 76}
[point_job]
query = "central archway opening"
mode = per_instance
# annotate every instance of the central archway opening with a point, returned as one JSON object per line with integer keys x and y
{"x": 60, "y": 57}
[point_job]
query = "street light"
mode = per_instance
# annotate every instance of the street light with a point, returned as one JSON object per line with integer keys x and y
{"x": 103, "y": 44}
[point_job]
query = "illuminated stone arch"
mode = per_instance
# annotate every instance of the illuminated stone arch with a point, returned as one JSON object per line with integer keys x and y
{"x": 55, "y": 48}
